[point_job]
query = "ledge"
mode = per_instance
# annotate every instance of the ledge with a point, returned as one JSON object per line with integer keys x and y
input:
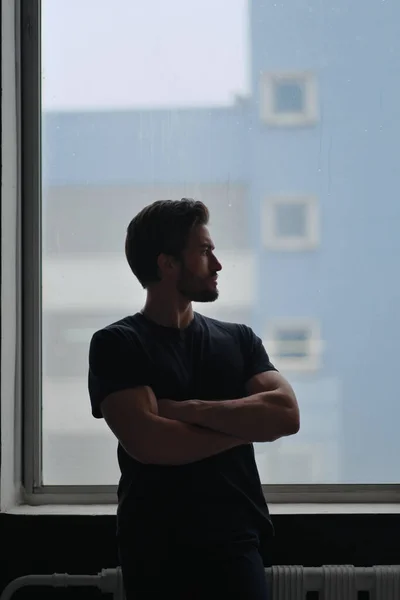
{"x": 275, "y": 509}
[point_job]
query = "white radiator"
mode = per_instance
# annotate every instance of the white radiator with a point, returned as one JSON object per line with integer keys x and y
{"x": 335, "y": 582}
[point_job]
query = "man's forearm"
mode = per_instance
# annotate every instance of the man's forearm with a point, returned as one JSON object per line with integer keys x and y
{"x": 172, "y": 442}
{"x": 258, "y": 418}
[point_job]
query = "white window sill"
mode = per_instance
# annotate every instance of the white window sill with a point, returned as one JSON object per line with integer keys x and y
{"x": 275, "y": 509}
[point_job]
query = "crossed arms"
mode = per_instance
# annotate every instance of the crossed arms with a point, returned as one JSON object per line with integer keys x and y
{"x": 176, "y": 433}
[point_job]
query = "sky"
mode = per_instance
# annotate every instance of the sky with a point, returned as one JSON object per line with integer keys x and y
{"x": 107, "y": 54}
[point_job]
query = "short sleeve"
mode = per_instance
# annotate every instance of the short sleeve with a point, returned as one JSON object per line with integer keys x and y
{"x": 256, "y": 357}
{"x": 115, "y": 364}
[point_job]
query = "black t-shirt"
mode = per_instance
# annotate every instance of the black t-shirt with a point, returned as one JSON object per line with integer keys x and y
{"x": 209, "y": 360}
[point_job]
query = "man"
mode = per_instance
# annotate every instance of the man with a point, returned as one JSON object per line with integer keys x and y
{"x": 186, "y": 396}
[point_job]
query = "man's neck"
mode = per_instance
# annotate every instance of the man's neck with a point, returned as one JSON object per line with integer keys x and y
{"x": 168, "y": 314}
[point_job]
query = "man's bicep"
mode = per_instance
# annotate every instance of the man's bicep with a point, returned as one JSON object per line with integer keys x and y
{"x": 268, "y": 381}
{"x": 128, "y": 414}
{"x": 256, "y": 357}
{"x": 114, "y": 366}
{"x": 280, "y": 398}
{"x": 262, "y": 376}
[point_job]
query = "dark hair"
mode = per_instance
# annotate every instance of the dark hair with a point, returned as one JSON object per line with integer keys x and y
{"x": 162, "y": 227}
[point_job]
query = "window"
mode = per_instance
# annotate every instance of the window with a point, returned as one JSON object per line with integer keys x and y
{"x": 289, "y": 99}
{"x": 295, "y": 344}
{"x": 290, "y": 223}
{"x": 292, "y": 463}
{"x": 107, "y": 128}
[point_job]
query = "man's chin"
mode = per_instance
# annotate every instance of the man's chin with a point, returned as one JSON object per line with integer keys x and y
{"x": 205, "y": 296}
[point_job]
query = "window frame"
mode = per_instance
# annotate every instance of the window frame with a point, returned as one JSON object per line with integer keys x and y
{"x": 309, "y": 116}
{"x": 315, "y": 344}
{"x": 270, "y": 236}
{"x": 29, "y": 347}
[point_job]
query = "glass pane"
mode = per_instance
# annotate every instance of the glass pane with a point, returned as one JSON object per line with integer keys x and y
{"x": 291, "y": 220}
{"x": 139, "y": 104}
{"x": 289, "y": 97}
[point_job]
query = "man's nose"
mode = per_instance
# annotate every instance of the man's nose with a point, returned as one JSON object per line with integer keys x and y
{"x": 217, "y": 265}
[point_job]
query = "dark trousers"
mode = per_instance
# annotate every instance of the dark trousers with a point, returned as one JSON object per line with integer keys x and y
{"x": 184, "y": 573}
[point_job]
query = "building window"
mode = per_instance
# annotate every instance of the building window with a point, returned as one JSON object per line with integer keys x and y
{"x": 295, "y": 344}
{"x": 289, "y": 99}
{"x": 290, "y": 223}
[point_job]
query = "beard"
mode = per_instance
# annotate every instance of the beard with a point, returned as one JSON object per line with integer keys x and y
{"x": 201, "y": 295}
{"x": 195, "y": 288}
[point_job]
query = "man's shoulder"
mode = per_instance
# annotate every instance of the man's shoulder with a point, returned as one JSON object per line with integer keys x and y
{"x": 237, "y": 330}
{"x": 123, "y": 331}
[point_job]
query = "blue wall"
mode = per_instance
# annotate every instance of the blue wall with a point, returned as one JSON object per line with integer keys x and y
{"x": 350, "y": 160}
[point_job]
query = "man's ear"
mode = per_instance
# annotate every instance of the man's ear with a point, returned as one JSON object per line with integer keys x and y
{"x": 167, "y": 264}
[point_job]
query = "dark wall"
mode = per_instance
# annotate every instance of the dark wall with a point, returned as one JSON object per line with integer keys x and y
{"x": 86, "y": 544}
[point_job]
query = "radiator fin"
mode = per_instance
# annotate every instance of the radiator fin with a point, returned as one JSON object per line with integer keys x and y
{"x": 339, "y": 582}
{"x": 387, "y": 585}
{"x": 288, "y": 583}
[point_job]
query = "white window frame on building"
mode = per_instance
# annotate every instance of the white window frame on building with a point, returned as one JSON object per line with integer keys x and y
{"x": 268, "y": 86}
{"x": 274, "y": 240}
{"x": 311, "y": 361}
